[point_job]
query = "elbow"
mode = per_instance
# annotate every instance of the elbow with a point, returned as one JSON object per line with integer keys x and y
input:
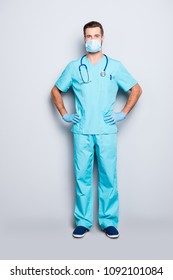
{"x": 140, "y": 91}
{"x": 53, "y": 92}
{"x": 137, "y": 88}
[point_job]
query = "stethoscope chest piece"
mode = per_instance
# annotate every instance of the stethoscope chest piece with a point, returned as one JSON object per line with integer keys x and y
{"x": 103, "y": 74}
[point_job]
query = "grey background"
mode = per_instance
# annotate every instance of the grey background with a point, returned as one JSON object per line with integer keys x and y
{"x": 38, "y": 38}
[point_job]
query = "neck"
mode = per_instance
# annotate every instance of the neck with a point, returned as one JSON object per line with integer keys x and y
{"x": 95, "y": 57}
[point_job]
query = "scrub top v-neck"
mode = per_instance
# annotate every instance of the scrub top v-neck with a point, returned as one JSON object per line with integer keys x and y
{"x": 98, "y": 96}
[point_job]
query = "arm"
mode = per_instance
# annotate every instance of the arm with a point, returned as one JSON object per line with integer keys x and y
{"x": 58, "y": 101}
{"x": 119, "y": 116}
{"x": 135, "y": 93}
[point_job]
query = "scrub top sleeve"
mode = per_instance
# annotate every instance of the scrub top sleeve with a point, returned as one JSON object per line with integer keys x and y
{"x": 64, "y": 82}
{"x": 124, "y": 79}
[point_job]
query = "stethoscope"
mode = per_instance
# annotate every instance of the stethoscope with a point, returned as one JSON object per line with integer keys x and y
{"x": 102, "y": 74}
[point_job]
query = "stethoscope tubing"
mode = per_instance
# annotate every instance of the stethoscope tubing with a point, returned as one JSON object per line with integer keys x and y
{"x": 103, "y": 73}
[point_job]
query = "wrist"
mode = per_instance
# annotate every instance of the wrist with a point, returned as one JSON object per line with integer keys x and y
{"x": 121, "y": 116}
{"x": 63, "y": 111}
{"x": 124, "y": 112}
{"x": 64, "y": 114}
{"x": 66, "y": 117}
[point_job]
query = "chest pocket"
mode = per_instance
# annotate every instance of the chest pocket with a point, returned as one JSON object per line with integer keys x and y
{"x": 108, "y": 82}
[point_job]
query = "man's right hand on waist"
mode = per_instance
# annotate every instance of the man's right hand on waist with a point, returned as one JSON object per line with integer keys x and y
{"x": 75, "y": 118}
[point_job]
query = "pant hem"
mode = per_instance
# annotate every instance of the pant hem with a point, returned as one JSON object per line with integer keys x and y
{"x": 110, "y": 225}
{"x": 84, "y": 225}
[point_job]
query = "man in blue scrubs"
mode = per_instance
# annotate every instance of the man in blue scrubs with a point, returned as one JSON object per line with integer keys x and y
{"x": 95, "y": 80}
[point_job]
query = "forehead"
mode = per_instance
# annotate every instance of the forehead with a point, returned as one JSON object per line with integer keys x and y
{"x": 92, "y": 31}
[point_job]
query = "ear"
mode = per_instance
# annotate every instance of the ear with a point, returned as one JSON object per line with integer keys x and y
{"x": 102, "y": 39}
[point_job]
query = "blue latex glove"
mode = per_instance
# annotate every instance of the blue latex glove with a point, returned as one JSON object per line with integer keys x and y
{"x": 112, "y": 118}
{"x": 75, "y": 118}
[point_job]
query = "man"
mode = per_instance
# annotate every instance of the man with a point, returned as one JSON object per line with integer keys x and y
{"x": 95, "y": 79}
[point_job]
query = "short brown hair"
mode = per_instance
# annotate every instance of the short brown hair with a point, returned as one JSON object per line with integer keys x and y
{"x": 93, "y": 24}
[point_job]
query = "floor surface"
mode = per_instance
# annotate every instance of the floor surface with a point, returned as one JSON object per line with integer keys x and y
{"x": 53, "y": 240}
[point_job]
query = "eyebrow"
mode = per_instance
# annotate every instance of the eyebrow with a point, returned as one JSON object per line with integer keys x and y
{"x": 93, "y": 35}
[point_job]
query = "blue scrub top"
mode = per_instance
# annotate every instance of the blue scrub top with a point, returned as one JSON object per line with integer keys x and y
{"x": 94, "y": 99}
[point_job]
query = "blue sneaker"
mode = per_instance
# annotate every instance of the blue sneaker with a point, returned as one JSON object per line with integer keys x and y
{"x": 80, "y": 231}
{"x": 111, "y": 232}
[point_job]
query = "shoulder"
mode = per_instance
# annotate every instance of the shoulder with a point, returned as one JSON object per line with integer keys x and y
{"x": 73, "y": 63}
{"x": 69, "y": 67}
{"x": 118, "y": 65}
{"x": 114, "y": 63}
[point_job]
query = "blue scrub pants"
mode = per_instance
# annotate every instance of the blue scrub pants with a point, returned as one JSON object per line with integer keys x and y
{"x": 105, "y": 146}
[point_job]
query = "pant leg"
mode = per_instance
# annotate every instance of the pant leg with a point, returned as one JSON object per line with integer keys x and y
{"x": 83, "y": 167}
{"x": 106, "y": 151}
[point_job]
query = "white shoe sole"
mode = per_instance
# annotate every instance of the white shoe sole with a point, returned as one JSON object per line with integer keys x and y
{"x": 113, "y": 236}
{"x": 78, "y": 236}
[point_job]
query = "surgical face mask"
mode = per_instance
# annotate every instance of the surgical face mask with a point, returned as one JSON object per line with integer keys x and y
{"x": 93, "y": 46}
